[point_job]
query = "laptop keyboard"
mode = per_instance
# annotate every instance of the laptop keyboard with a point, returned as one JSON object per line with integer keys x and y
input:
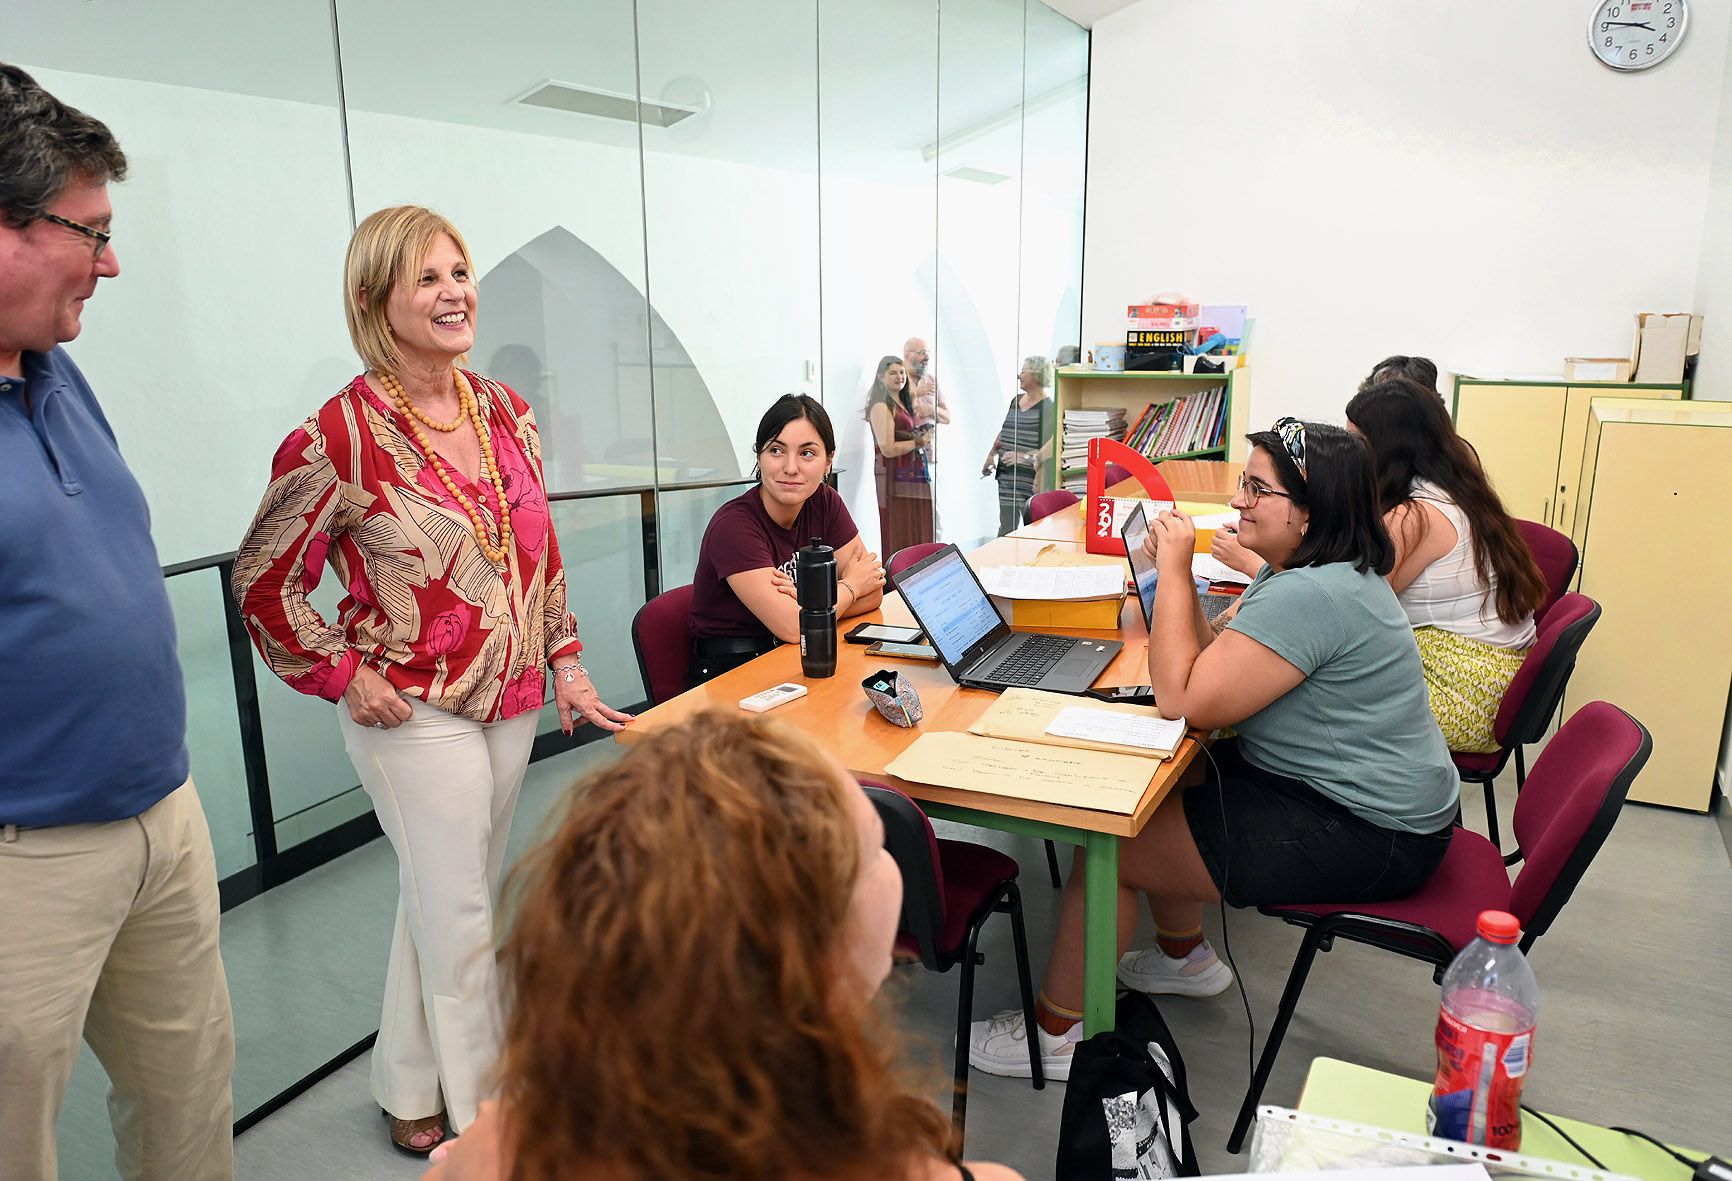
{"x": 1031, "y": 660}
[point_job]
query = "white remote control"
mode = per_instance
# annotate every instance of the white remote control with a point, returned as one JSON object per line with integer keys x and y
{"x": 771, "y": 698}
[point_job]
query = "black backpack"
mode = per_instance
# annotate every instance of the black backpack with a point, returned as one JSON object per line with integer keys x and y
{"x": 1127, "y": 1112}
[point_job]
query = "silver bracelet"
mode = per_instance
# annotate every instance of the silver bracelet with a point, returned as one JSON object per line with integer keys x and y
{"x": 569, "y": 671}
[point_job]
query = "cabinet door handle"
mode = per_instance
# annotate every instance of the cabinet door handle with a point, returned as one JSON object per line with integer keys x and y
{"x": 1546, "y": 512}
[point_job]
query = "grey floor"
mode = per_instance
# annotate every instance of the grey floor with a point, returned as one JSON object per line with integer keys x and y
{"x": 1635, "y": 1028}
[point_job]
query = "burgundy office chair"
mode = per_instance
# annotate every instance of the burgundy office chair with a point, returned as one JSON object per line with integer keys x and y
{"x": 1532, "y": 698}
{"x": 910, "y": 554}
{"x": 1556, "y": 556}
{"x": 1045, "y": 504}
{"x": 949, "y": 890}
{"x": 1563, "y": 817}
{"x": 661, "y": 635}
{"x": 1117, "y": 474}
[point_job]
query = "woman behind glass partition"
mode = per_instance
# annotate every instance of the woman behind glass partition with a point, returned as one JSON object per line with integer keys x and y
{"x": 1023, "y": 443}
{"x": 902, "y": 465}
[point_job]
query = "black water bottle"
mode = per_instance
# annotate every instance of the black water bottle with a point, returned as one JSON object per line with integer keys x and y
{"x": 815, "y": 590}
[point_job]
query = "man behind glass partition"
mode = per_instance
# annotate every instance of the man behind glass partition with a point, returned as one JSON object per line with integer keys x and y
{"x": 108, "y": 893}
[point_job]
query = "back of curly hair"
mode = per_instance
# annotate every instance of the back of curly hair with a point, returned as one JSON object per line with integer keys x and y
{"x": 672, "y": 969}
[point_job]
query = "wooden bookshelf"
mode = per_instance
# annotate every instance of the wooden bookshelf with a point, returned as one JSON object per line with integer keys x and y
{"x": 1077, "y": 387}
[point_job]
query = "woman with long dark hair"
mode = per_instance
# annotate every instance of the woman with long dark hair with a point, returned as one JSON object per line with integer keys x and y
{"x": 902, "y": 463}
{"x": 1463, "y": 573}
{"x": 1338, "y": 784}
{"x": 691, "y": 972}
{"x": 743, "y": 600}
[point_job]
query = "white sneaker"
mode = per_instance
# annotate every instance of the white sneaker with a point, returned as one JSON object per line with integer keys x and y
{"x": 1199, "y": 973}
{"x": 1000, "y": 1046}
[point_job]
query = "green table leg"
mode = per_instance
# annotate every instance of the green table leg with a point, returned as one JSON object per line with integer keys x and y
{"x": 1101, "y": 931}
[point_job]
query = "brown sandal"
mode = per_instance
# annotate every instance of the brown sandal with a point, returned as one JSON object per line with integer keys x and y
{"x": 404, "y": 1132}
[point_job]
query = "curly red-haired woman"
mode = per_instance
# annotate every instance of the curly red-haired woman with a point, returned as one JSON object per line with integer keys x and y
{"x": 691, "y": 971}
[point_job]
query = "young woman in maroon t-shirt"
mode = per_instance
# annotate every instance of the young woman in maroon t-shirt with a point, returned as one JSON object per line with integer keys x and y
{"x": 743, "y": 593}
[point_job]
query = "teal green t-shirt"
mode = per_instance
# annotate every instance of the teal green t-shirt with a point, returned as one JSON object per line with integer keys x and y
{"x": 1359, "y": 727}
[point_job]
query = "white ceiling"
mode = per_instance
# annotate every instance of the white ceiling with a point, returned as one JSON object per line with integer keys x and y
{"x": 1087, "y": 12}
{"x": 463, "y": 63}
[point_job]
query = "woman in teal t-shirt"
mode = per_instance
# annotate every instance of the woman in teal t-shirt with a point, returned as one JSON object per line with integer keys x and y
{"x": 1338, "y": 786}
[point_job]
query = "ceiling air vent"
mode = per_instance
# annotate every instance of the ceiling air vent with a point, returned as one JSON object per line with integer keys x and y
{"x": 603, "y": 104}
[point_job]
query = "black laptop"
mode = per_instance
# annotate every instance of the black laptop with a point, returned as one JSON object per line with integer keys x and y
{"x": 978, "y": 647}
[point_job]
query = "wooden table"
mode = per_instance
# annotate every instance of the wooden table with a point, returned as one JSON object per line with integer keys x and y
{"x": 836, "y": 714}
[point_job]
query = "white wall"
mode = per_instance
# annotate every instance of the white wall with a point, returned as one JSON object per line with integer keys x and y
{"x": 1414, "y": 178}
{"x": 1714, "y": 281}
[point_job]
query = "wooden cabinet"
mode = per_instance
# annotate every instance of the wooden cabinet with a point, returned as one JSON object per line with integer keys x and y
{"x": 1652, "y": 533}
{"x": 1077, "y": 387}
{"x": 1529, "y": 436}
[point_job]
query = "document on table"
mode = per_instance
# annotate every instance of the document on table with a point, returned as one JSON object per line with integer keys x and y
{"x": 1210, "y": 567}
{"x": 1054, "y": 582}
{"x": 1156, "y": 735}
{"x": 1028, "y": 715}
{"x": 1063, "y": 775}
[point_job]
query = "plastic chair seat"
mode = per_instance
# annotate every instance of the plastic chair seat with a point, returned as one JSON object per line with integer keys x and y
{"x": 1470, "y": 878}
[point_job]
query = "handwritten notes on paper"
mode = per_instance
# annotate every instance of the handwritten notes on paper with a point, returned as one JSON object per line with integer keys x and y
{"x": 1027, "y": 771}
{"x": 1028, "y": 715}
{"x": 1109, "y": 728}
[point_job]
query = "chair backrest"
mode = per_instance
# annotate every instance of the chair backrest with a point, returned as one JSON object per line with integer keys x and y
{"x": 914, "y": 847}
{"x": 1117, "y": 474}
{"x": 1538, "y": 686}
{"x": 1568, "y": 805}
{"x": 1045, "y": 504}
{"x": 661, "y": 634}
{"x": 910, "y": 554}
{"x": 1556, "y": 557}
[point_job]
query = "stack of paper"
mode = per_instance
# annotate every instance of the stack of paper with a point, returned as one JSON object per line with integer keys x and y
{"x": 1057, "y": 719}
{"x": 1054, "y": 582}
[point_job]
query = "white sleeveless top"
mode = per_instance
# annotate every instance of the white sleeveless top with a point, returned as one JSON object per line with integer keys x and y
{"x": 1448, "y": 593}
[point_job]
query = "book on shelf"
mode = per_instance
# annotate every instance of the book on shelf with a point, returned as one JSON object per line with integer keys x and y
{"x": 1196, "y": 422}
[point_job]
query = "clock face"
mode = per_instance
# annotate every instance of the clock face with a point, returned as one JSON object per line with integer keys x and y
{"x": 1636, "y": 34}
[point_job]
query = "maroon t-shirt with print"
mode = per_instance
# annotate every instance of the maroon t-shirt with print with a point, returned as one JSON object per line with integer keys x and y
{"x": 742, "y": 537}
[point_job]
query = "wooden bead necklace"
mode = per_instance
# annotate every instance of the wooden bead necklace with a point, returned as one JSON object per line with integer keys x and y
{"x": 468, "y": 407}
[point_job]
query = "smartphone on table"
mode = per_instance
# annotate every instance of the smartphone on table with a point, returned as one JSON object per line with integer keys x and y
{"x": 902, "y": 651}
{"x": 890, "y": 633}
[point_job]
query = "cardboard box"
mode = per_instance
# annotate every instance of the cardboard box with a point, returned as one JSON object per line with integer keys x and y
{"x": 1089, "y": 614}
{"x": 1663, "y": 340}
{"x": 1596, "y": 369}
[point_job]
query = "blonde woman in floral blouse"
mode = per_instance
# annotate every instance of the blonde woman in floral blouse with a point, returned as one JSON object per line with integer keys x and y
{"x": 420, "y": 486}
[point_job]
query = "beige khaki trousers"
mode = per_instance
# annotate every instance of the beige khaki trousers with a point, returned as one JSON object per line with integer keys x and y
{"x": 444, "y": 789}
{"x": 110, "y": 931}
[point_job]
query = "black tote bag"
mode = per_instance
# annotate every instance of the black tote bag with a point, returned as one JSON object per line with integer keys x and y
{"x": 1127, "y": 1113}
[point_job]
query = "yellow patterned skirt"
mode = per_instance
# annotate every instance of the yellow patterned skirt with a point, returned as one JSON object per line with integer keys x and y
{"x": 1466, "y": 680}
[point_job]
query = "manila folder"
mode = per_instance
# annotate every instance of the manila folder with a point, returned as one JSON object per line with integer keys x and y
{"x": 1027, "y": 771}
{"x": 1022, "y": 715}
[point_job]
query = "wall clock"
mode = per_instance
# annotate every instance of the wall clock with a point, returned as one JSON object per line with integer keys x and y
{"x": 1636, "y": 34}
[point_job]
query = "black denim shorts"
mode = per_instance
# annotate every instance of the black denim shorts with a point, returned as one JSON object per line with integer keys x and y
{"x": 1270, "y": 840}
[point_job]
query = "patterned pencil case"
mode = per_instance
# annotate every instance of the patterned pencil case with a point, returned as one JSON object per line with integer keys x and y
{"x": 893, "y": 696}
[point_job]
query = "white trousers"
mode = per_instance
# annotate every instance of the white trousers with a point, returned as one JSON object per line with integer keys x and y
{"x": 444, "y": 789}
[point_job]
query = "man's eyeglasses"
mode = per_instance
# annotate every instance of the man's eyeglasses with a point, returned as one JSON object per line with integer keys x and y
{"x": 99, "y": 238}
{"x": 1292, "y": 435}
{"x": 1251, "y": 490}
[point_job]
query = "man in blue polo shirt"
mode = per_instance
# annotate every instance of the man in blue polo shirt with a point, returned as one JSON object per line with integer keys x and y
{"x": 108, "y": 899}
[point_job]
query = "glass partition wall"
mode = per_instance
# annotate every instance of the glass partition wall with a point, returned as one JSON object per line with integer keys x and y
{"x": 678, "y": 211}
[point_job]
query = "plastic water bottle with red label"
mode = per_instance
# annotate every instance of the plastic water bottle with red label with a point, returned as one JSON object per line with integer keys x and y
{"x": 1485, "y": 1036}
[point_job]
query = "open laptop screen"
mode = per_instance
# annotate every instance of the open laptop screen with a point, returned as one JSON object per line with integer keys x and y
{"x": 1136, "y": 531}
{"x": 948, "y": 601}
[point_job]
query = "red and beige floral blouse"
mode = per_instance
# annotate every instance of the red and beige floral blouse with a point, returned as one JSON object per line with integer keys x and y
{"x": 350, "y": 488}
